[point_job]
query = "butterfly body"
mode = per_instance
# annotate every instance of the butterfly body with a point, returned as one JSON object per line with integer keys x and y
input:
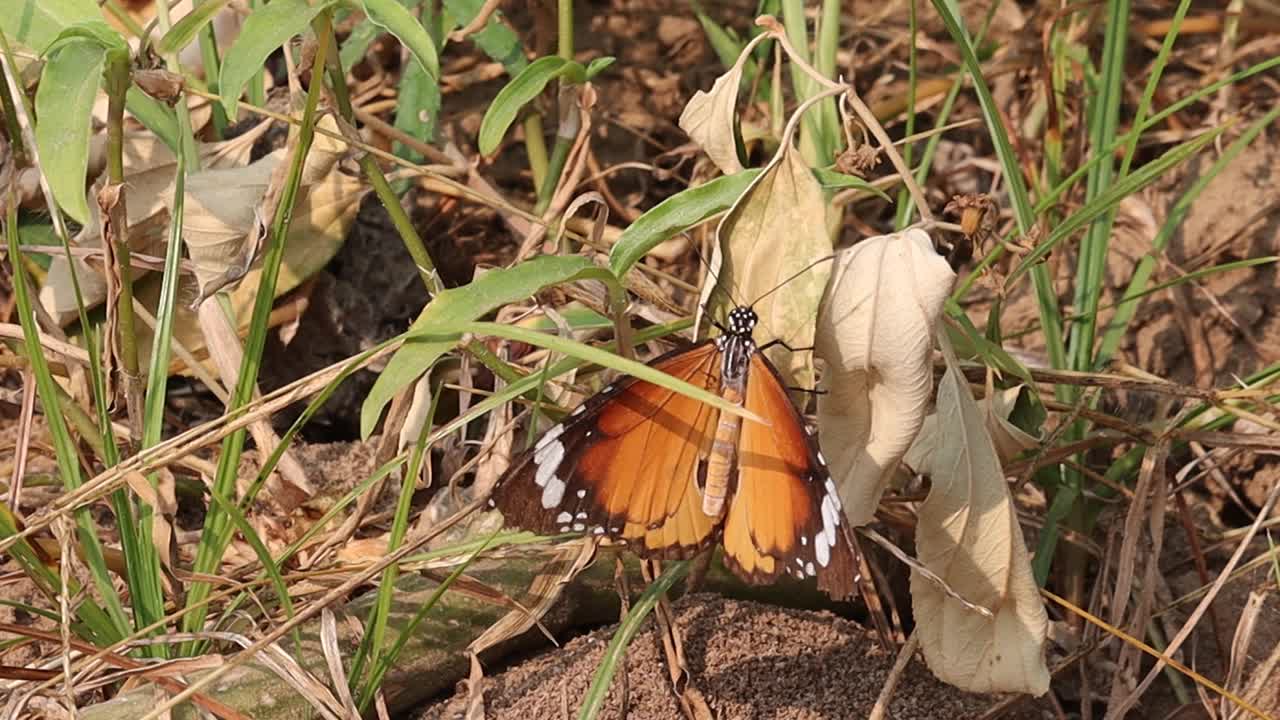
{"x": 669, "y": 476}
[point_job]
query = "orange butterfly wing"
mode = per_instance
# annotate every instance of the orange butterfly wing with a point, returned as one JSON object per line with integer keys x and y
{"x": 785, "y": 515}
{"x": 625, "y": 465}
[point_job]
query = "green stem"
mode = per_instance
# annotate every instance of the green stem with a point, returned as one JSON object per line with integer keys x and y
{"x": 117, "y": 84}
{"x": 209, "y": 54}
{"x": 218, "y": 527}
{"x": 564, "y": 28}
{"x": 535, "y": 147}
{"x": 399, "y": 218}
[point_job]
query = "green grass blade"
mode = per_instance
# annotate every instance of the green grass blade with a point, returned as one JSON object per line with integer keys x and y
{"x": 483, "y": 295}
{"x": 597, "y": 356}
{"x": 87, "y": 534}
{"x": 1119, "y": 324}
{"x": 599, "y": 689}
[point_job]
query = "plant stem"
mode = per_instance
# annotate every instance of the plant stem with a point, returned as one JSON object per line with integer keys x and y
{"x": 117, "y": 84}
{"x": 535, "y": 146}
{"x": 399, "y": 218}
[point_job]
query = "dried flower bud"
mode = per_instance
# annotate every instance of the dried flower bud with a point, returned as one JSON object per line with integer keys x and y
{"x": 160, "y": 84}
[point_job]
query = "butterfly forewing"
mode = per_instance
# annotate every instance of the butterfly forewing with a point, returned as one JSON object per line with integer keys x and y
{"x": 785, "y": 515}
{"x": 625, "y": 465}
{"x": 631, "y": 464}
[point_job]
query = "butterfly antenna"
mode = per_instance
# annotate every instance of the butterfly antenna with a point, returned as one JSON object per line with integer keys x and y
{"x": 795, "y": 275}
{"x": 715, "y": 280}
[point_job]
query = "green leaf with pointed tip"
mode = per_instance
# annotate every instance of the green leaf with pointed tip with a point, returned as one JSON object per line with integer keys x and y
{"x": 676, "y": 214}
{"x": 598, "y": 66}
{"x": 184, "y": 32}
{"x": 523, "y": 88}
{"x": 833, "y": 180}
{"x": 64, "y": 115}
{"x": 265, "y": 30}
{"x": 395, "y": 19}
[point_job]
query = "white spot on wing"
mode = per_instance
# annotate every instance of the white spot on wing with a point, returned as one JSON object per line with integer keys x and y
{"x": 821, "y": 550}
{"x": 831, "y": 493}
{"x": 578, "y": 410}
{"x": 582, "y": 493}
{"x": 551, "y": 436}
{"x": 830, "y": 520}
{"x": 564, "y": 517}
{"x": 579, "y": 527}
{"x": 821, "y": 459}
{"x": 804, "y": 540}
{"x": 546, "y": 458}
{"x": 810, "y": 570}
{"x": 553, "y": 493}
{"x": 581, "y": 516}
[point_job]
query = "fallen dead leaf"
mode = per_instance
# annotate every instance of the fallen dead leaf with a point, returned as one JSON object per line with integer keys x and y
{"x": 968, "y": 534}
{"x": 875, "y": 334}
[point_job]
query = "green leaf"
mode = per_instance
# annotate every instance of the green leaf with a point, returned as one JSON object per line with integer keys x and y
{"x": 497, "y": 40}
{"x": 94, "y": 31}
{"x": 184, "y": 32}
{"x": 154, "y": 115}
{"x": 832, "y": 180}
{"x": 64, "y": 114}
{"x": 357, "y": 43}
{"x": 598, "y": 66}
{"x": 36, "y": 23}
{"x": 675, "y": 215}
{"x": 599, "y": 690}
{"x": 418, "y": 108}
{"x": 515, "y": 95}
{"x": 266, "y": 29}
{"x": 485, "y": 294}
{"x": 395, "y": 19}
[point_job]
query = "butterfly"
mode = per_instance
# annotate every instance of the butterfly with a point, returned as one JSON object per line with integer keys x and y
{"x": 669, "y": 475}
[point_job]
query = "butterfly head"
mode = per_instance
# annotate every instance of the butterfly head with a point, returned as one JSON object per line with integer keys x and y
{"x": 742, "y": 321}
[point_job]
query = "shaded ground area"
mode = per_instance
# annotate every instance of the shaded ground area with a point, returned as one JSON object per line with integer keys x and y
{"x": 748, "y": 660}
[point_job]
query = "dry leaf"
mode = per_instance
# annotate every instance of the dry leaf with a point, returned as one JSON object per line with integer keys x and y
{"x": 767, "y": 248}
{"x": 1010, "y": 440}
{"x": 149, "y": 173}
{"x": 708, "y": 119}
{"x": 875, "y": 333}
{"x": 968, "y": 535}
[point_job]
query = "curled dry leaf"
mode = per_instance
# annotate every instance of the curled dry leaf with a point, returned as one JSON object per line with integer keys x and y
{"x": 1010, "y": 440}
{"x": 149, "y": 171}
{"x": 968, "y": 535}
{"x": 768, "y": 245}
{"x": 227, "y": 209}
{"x": 875, "y": 333}
{"x": 708, "y": 119}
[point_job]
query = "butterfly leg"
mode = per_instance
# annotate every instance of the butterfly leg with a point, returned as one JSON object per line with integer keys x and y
{"x": 783, "y": 343}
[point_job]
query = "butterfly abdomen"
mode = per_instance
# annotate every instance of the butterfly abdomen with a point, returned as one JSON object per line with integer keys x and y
{"x": 724, "y": 454}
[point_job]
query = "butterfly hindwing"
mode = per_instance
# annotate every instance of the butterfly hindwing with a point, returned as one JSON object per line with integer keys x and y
{"x": 624, "y": 465}
{"x": 785, "y": 514}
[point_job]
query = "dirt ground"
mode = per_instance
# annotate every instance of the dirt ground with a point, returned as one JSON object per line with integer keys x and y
{"x": 747, "y": 660}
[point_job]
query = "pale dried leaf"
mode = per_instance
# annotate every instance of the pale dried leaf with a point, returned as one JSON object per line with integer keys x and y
{"x": 968, "y": 535}
{"x": 875, "y": 334}
{"x": 769, "y": 243}
{"x": 1010, "y": 440}
{"x": 149, "y": 172}
{"x": 219, "y": 214}
{"x": 708, "y": 119}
